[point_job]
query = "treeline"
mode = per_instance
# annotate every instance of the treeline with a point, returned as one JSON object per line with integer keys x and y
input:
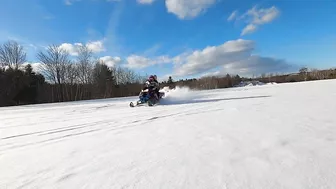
{"x": 304, "y": 74}
{"x": 216, "y": 82}
{"x": 59, "y": 78}
{"x": 17, "y": 85}
{"x": 205, "y": 83}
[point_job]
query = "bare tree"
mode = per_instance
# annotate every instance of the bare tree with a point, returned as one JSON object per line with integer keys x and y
{"x": 85, "y": 65}
{"x": 12, "y": 55}
{"x": 125, "y": 76}
{"x": 55, "y": 62}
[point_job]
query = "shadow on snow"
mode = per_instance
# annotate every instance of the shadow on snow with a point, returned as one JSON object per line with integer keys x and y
{"x": 195, "y": 101}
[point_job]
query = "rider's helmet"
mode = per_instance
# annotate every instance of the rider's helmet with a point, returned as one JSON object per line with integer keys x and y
{"x": 155, "y": 77}
{"x": 151, "y": 78}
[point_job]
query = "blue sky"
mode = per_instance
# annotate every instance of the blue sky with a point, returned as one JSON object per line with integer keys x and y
{"x": 182, "y": 38}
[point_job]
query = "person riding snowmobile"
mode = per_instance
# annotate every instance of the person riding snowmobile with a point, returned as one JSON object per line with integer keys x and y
{"x": 153, "y": 86}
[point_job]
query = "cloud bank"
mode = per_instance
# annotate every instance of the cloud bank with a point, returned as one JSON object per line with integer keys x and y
{"x": 234, "y": 57}
{"x": 73, "y": 49}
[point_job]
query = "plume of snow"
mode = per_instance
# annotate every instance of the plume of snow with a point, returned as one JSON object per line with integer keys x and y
{"x": 178, "y": 95}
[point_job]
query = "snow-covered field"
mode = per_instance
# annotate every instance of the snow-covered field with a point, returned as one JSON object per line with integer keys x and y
{"x": 270, "y": 136}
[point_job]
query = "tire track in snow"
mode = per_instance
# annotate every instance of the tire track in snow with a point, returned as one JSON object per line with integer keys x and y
{"x": 64, "y": 131}
{"x": 77, "y": 130}
{"x": 67, "y": 118}
{"x": 57, "y": 130}
{"x": 80, "y": 129}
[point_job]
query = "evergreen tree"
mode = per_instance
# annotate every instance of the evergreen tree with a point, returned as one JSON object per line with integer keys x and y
{"x": 29, "y": 69}
{"x": 170, "y": 80}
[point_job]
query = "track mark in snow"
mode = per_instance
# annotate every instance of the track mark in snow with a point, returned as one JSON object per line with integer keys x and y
{"x": 49, "y": 140}
{"x": 65, "y": 177}
{"x": 61, "y": 129}
{"x": 103, "y": 125}
{"x": 106, "y": 106}
{"x": 26, "y": 184}
{"x": 153, "y": 118}
{"x": 65, "y": 130}
{"x": 93, "y": 109}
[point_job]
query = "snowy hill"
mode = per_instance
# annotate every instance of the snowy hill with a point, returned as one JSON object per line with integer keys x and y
{"x": 270, "y": 136}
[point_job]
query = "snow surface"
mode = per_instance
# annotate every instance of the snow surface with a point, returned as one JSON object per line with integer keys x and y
{"x": 270, "y": 136}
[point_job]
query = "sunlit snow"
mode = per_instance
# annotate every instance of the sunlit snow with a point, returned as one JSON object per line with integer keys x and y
{"x": 269, "y": 136}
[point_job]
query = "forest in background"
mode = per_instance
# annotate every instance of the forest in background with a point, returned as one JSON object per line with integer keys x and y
{"x": 61, "y": 79}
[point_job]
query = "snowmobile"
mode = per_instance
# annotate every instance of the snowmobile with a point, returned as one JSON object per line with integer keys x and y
{"x": 146, "y": 97}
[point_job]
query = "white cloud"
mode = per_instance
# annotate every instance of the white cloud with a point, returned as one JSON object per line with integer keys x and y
{"x": 145, "y": 1}
{"x": 94, "y": 46}
{"x": 257, "y": 65}
{"x": 255, "y": 17}
{"x": 135, "y": 61}
{"x": 204, "y": 60}
{"x": 249, "y": 29}
{"x": 70, "y": 2}
{"x": 209, "y": 74}
{"x": 37, "y": 66}
{"x": 184, "y": 9}
{"x": 233, "y": 57}
{"x": 110, "y": 61}
{"x": 262, "y": 16}
{"x": 253, "y": 65}
{"x": 138, "y": 62}
{"x": 233, "y": 15}
{"x": 71, "y": 48}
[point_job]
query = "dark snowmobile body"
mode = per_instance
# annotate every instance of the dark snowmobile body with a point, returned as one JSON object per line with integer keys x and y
{"x": 146, "y": 97}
